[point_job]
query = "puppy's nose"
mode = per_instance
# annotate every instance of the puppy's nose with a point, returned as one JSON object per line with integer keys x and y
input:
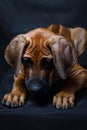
{"x": 34, "y": 86}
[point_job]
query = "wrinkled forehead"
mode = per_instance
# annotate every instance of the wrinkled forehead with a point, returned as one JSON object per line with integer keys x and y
{"x": 38, "y": 40}
{"x": 39, "y": 35}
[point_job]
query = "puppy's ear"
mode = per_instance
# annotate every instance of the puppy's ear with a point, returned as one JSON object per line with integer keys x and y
{"x": 64, "y": 55}
{"x": 14, "y": 51}
{"x": 79, "y": 37}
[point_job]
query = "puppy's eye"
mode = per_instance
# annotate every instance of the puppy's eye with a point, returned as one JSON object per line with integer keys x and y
{"x": 46, "y": 63}
{"x": 27, "y": 61}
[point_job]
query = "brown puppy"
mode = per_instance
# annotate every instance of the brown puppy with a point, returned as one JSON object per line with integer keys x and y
{"x": 42, "y": 56}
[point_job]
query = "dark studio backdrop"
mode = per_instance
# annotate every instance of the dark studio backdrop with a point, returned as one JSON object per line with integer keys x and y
{"x": 20, "y": 16}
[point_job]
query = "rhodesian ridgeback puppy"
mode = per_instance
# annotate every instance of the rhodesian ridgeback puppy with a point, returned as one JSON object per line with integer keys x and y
{"x": 43, "y": 56}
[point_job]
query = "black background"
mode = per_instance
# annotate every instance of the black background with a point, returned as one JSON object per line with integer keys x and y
{"x": 20, "y": 16}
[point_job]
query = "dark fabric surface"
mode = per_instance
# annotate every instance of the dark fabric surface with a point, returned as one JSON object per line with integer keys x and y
{"x": 33, "y": 116}
{"x": 20, "y": 16}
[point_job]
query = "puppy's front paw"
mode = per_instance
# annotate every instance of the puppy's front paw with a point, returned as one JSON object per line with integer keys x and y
{"x": 63, "y": 100}
{"x": 14, "y": 99}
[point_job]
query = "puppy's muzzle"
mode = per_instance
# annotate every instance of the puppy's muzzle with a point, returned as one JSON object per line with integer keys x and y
{"x": 37, "y": 86}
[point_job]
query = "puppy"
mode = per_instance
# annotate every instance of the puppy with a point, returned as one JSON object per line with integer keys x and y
{"x": 43, "y": 56}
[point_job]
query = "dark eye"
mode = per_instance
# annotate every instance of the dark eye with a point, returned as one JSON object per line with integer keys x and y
{"x": 46, "y": 63}
{"x": 27, "y": 61}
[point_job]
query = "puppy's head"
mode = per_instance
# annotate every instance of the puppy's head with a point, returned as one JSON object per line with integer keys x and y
{"x": 41, "y": 54}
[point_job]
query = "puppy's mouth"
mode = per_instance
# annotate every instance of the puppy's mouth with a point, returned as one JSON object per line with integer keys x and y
{"x": 37, "y": 86}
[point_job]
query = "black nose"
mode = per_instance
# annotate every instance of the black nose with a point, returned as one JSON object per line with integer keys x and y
{"x": 34, "y": 86}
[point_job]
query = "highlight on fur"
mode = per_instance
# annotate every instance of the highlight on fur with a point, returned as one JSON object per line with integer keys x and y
{"x": 43, "y": 56}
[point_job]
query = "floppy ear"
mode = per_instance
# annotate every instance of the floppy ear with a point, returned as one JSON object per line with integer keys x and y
{"x": 64, "y": 55}
{"x": 79, "y": 37}
{"x": 14, "y": 51}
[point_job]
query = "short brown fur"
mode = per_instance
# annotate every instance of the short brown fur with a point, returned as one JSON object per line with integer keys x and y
{"x": 58, "y": 43}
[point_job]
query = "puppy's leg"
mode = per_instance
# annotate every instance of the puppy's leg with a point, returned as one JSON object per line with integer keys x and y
{"x": 66, "y": 97}
{"x": 18, "y": 94}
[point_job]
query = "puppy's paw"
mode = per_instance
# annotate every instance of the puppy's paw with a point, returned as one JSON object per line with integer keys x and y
{"x": 14, "y": 99}
{"x": 63, "y": 100}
